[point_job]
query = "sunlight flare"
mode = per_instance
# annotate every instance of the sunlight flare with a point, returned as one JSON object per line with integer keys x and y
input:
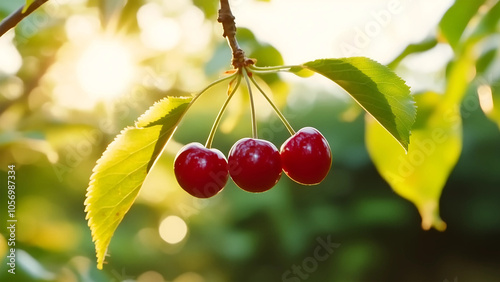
{"x": 105, "y": 69}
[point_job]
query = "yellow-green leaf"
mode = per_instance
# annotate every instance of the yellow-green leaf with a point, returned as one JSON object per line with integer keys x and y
{"x": 455, "y": 20}
{"x": 123, "y": 167}
{"x": 420, "y": 175}
{"x": 27, "y": 5}
{"x": 377, "y": 89}
{"x": 300, "y": 71}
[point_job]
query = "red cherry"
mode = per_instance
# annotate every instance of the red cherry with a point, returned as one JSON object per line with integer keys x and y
{"x": 254, "y": 164}
{"x": 200, "y": 171}
{"x": 306, "y": 156}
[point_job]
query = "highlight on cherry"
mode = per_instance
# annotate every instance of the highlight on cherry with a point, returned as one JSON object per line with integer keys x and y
{"x": 255, "y": 165}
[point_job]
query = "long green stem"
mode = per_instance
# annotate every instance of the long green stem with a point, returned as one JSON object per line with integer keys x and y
{"x": 206, "y": 88}
{"x": 280, "y": 115}
{"x": 253, "y": 67}
{"x": 222, "y": 110}
{"x": 270, "y": 71}
{"x": 252, "y": 105}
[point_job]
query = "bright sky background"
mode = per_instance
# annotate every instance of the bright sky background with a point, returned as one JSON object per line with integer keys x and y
{"x": 302, "y": 30}
{"x": 305, "y": 30}
{"x": 325, "y": 28}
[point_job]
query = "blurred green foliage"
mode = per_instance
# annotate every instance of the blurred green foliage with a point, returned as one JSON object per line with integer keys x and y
{"x": 54, "y": 138}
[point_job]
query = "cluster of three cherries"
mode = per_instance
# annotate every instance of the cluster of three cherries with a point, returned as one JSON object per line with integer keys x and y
{"x": 255, "y": 165}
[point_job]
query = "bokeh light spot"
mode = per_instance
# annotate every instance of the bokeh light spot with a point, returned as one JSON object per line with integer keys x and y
{"x": 163, "y": 34}
{"x": 189, "y": 277}
{"x": 157, "y": 32}
{"x": 150, "y": 276}
{"x": 173, "y": 229}
{"x": 81, "y": 27}
{"x": 485, "y": 95}
{"x": 9, "y": 56}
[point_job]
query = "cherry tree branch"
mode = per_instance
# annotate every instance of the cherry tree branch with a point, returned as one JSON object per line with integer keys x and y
{"x": 13, "y": 19}
{"x": 226, "y": 18}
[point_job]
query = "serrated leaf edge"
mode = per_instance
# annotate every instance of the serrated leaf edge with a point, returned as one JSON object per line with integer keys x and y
{"x": 408, "y": 88}
{"x": 100, "y": 253}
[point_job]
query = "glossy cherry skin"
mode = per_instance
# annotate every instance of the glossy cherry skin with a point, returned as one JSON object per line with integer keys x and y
{"x": 254, "y": 164}
{"x": 306, "y": 156}
{"x": 200, "y": 171}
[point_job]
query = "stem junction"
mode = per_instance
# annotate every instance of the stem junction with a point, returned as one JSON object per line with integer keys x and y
{"x": 226, "y": 18}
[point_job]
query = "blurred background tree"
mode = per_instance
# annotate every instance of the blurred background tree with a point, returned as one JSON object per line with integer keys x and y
{"x": 74, "y": 73}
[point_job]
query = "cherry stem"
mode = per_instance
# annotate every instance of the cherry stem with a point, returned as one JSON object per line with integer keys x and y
{"x": 206, "y": 88}
{"x": 212, "y": 84}
{"x": 280, "y": 115}
{"x": 252, "y": 105}
{"x": 223, "y": 109}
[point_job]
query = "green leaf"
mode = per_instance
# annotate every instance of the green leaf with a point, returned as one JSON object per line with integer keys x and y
{"x": 456, "y": 19}
{"x": 300, "y": 71}
{"x": 267, "y": 55}
{"x": 420, "y": 175}
{"x": 123, "y": 167}
{"x": 488, "y": 23}
{"x": 208, "y": 7}
{"x": 425, "y": 45}
{"x": 127, "y": 19}
{"x": 377, "y": 89}
{"x": 27, "y": 5}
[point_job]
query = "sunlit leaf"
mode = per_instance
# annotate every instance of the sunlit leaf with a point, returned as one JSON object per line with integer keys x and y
{"x": 460, "y": 74}
{"x": 267, "y": 55}
{"x": 300, "y": 71}
{"x": 377, "y": 89}
{"x": 423, "y": 46}
{"x": 128, "y": 17}
{"x": 27, "y": 5}
{"x": 456, "y": 19}
{"x": 489, "y": 22}
{"x": 123, "y": 167}
{"x": 208, "y": 7}
{"x": 435, "y": 147}
{"x": 29, "y": 141}
{"x": 110, "y": 10}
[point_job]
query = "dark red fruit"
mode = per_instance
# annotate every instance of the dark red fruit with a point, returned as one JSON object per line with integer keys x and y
{"x": 200, "y": 171}
{"x": 306, "y": 156}
{"x": 254, "y": 164}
